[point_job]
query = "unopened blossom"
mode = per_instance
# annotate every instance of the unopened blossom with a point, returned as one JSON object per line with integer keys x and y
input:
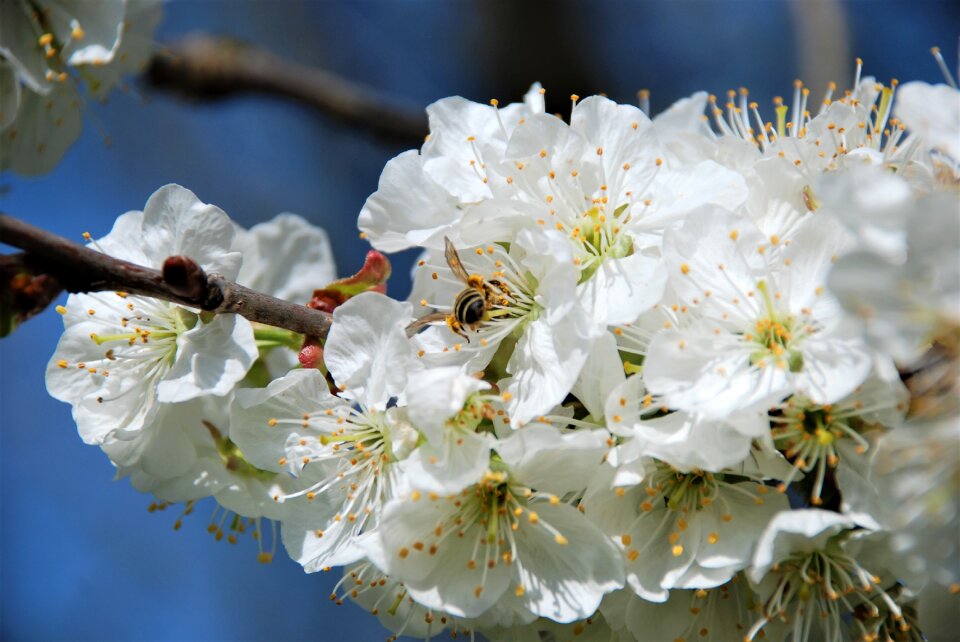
{"x": 681, "y": 529}
{"x": 121, "y": 355}
{"x": 761, "y": 329}
{"x": 509, "y": 548}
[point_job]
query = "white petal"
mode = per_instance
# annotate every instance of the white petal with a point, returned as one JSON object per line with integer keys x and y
{"x": 18, "y": 45}
{"x": 36, "y": 141}
{"x": 693, "y": 371}
{"x": 459, "y": 460}
{"x": 933, "y": 112}
{"x": 211, "y": 359}
{"x": 263, "y": 441}
{"x": 434, "y": 395}
{"x": 566, "y": 582}
{"x": 408, "y": 207}
{"x": 803, "y": 530}
{"x": 102, "y": 24}
{"x": 680, "y": 191}
{"x": 533, "y": 99}
{"x": 314, "y": 537}
{"x": 622, "y": 289}
{"x": 367, "y": 350}
{"x": 685, "y": 115}
{"x": 441, "y": 580}
{"x": 544, "y": 458}
{"x": 176, "y": 222}
{"x": 602, "y": 372}
{"x": 9, "y": 94}
{"x": 307, "y": 258}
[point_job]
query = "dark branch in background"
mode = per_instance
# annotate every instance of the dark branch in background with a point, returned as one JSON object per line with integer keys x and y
{"x": 209, "y": 68}
{"x": 61, "y": 264}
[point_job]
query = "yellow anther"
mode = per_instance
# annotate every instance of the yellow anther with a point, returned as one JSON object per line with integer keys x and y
{"x": 677, "y": 550}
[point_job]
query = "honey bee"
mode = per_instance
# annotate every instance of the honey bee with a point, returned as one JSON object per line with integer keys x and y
{"x": 473, "y": 305}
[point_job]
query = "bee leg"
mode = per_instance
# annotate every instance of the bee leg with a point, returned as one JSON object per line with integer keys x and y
{"x": 456, "y": 327}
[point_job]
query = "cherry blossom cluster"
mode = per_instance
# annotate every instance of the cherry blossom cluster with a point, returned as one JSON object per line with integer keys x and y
{"x": 50, "y": 51}
{"x": 689, "y": 377}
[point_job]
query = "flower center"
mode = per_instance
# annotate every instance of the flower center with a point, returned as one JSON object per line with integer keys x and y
{"x": 820, "y": 587}
{"x": 598, "y": 236}
{"x": 808, "y": 434}
{"x": 778, "y": 337}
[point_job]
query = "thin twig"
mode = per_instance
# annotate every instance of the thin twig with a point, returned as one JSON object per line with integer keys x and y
{"x": 208, "y": 67}
{"x": 79, "y": 269}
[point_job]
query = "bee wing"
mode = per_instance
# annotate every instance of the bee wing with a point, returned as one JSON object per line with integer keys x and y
{"x": 453, "y": 260}
{"x": 422, "y": 321}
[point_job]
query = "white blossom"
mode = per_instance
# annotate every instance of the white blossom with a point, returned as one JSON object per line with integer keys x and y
{"x": 762, "y": 330}
{"x": 344, "y": 455}
{"x": 535, "y": 309}
{"x": 722, "y": 613}
{"x": 681, "y": 529}
{"x": 808, "y": 571}
{"x": 285, "y": 257}
{"x": 916, "y": 473}
{"x": 47, "y": 49}
{"x": 907, "y": 303}
{"x": 932, "y": 112}
{"x": 510, "y": 543}
{"x": 121, "y": 355}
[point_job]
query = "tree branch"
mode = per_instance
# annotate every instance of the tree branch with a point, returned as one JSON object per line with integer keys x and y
{"x": 208, "y": 67}
{"x": 79, "y": 269}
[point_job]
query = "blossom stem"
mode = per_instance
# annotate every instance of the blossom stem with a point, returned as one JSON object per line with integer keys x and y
{"x": 80, "y": 269}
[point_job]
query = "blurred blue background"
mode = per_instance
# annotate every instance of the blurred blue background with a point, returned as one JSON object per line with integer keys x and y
{"x": 80, "y": 556}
